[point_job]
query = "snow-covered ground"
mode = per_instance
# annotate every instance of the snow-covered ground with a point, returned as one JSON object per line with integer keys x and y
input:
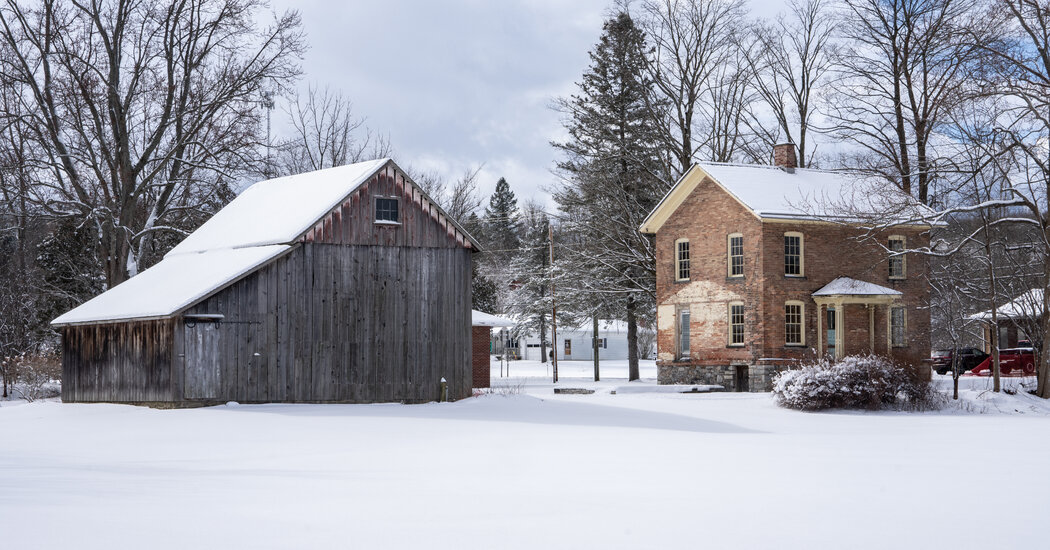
{"x": 525, "y": 468}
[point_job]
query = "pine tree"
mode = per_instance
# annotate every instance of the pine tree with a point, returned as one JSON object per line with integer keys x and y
{"x": 531, "y": 299}
{"x": 612, "y": 179}
{"x": 503, "y": 222}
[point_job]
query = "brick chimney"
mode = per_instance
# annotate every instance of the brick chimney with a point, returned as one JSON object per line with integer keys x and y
{"x": 784, "y": 157}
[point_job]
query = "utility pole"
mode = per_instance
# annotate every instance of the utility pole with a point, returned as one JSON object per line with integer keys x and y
{"x": 595, "y": 344}
{"x": 554, "y": 308}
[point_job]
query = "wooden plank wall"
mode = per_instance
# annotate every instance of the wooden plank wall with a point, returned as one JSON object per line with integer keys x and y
{"x": 347, "y": 323}
{"x": 118, "y": 362}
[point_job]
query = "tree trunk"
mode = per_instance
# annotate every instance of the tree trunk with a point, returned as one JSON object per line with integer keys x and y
{"x": 1042, "y": 354}
{"x": 543, "y": 338}
{"x": 594, "y": 345}
{"x": 632, "y": 341}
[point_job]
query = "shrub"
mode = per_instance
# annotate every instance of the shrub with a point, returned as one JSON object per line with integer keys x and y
{"x": 857, "y": 382}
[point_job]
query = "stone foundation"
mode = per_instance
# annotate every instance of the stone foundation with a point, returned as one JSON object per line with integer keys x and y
{"x": 759, "y": 377}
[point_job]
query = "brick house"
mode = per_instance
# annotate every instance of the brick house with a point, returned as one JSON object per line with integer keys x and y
{"x": 758, "y": 268}
{"x": 481, "y": 324}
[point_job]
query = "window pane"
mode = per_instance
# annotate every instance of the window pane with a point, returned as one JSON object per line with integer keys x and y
{"x": 792, "y": 255}
{"x": 897, "y": 326}
{"x": 793, "y": 323}
{"x": 386, "y": 210}
{"x": 683, "y": 260}
{"x": 896, "y": 262}
{"x": 683, "y": 334}
{"x": 736, "y": 324}
{"x": 736, "y": 256}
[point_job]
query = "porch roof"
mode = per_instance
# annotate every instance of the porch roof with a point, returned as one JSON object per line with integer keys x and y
{"x": 845, "y": 286}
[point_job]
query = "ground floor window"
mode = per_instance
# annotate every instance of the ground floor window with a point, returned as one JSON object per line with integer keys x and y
{"x": 683, "y": 333}
{"x": 793, "y": 333}
{"x": 568, "y": 347}
{"x": 898, "y": 327}
{"x": 736, "y": 324}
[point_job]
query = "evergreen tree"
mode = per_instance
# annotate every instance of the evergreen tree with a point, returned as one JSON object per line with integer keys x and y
{"x": 613, "y": 179}
{"x": 503, "y": 222}
{"x": 531, "y": 299}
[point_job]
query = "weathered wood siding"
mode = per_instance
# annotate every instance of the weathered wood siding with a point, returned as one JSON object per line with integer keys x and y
{"x": 421, "y": 224}
{"x": 346, "y": 323}
{"x": 118, "y": 362}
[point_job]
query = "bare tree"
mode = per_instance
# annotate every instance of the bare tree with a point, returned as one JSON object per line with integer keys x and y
{"x": 326, "y": 133}
{"x": 143, "y": 111}
{"x": 900, "y": 72}
{"x": 790, "y": 58}
{"x": 692, "y": 41}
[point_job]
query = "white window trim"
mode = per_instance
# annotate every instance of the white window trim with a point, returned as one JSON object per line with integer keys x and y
{"x": 678, "y": 260}
{"x": 375, "y": 210}
{"x": 802, "y": 323}
{"x": 889, "y": 327}
{"x": 729, "y": 255}
{"x": 729, "y": 322}
{"x": 801, "y": 254}
{"x": 903, "y": 257}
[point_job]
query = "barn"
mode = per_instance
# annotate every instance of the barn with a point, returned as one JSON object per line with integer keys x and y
{"x": 344, "y": 285}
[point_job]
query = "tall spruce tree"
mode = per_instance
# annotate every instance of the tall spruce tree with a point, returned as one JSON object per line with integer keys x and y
{"x": 503, "y": 222}
{"x": 612, "y": 179}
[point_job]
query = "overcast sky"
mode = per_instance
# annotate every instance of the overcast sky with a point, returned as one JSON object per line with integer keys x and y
{"x": 457, "y": 83}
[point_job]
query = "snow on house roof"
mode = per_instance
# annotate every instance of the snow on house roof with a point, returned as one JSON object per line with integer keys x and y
{"x": 177, "y": 281}
{"x": 482, "y": 319}
{"x": 277, "y": 211}
{"x": 845, "y": 286}
{"x": 1029, "y": 304}
{"x": 774, "y": 193}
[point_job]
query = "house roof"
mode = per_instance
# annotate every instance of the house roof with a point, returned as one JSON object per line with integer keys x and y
{"x": 845, "y": 286}
{"x": 771, "y": 193}
{"x": 251, "y": 230}
{"x": 482, "y": 319}
{"x": 176, "y": 282}
{"x": 1029, "y": 304}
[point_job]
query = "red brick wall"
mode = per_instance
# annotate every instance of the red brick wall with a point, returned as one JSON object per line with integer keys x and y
{"x": 707, "y": 216}
{"x": 479, "y": 346}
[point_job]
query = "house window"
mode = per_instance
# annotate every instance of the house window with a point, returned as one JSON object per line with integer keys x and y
{"x": 386, "y": 210}
{"x": 683, "y": 333}
{"x": 568, "y": 347}
{"x": 602, "y": 343}
{"x": 794, "y": 329}
{"x": 897, "y": 266}
{"x": 736, "y": 324}
{"x": 682, "y": 259}
{"x": 898, "y": 327}
{"x": 793, "y": 255}
{"x": 736, "y": 255}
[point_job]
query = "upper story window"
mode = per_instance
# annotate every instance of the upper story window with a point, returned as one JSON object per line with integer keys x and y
{"x": 898, "y": 327}
{"x": 386, "y": 210}
{"x": 735, "y": 253}
{"x": 736, "y": 323}
{"x": 681, "y": 247}
{"x": 794, "y": 327}
{"x": 898, "y": 269}
{"x": 683, "y": 333}
{"x": 794, "y": 248}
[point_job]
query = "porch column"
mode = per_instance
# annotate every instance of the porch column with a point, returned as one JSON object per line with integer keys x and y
{"x": 820, "y": 330}
{"x": 840, "y": 330}
{"x": 871, "y": 327}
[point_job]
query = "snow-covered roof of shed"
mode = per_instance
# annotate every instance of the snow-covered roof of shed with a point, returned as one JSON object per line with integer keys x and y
{"x": 774, "y": 193}
{"x": 279, "y": 210}
{"x": 176, "y": 282}
{"x": 1029, "y": 304}
{"x": 482, "y": 319}
{"x": 845, "y": 286}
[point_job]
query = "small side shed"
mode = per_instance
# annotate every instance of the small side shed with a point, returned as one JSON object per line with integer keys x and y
{"x": 481, "y": 337}
{"x": 341, "y": 285}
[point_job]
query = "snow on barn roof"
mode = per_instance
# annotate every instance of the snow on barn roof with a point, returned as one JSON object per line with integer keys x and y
{"x": 845, "y": 286}
{"x": 279, "y": 210}
{"x": 253, "y": 229}
{"x": 174, "y": 283}
{"x": 774, "y": 193}
{"x": 482, "y": 319}
{"x": 1029, "y": 304}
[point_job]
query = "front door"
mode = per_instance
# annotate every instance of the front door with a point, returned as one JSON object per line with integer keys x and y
{"x": 201, "y": 345}
{"x": 831, "y": 332}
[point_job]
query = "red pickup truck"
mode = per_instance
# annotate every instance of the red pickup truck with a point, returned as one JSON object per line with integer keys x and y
{"x": 1012, "y": 362}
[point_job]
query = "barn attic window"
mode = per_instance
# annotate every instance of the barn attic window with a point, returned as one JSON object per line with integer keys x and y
{"x": 386, "y": 210}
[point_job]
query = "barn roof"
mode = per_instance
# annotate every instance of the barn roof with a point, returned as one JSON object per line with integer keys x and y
{"x": 772, "y": 193}
{"x": 254, "y": 228}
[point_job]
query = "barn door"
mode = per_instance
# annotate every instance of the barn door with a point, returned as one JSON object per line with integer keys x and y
{"x": 202, "y": 360}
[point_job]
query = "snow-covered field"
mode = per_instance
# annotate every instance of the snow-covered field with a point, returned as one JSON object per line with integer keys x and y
{"x": 525, "y": 468}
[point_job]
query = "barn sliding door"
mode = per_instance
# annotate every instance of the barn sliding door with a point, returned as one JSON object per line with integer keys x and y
{"x": 202, "y": 360}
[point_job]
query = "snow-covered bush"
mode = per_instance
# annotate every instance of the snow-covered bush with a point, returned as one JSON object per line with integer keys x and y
{"x": 856, "y": 382}
{"x": 33, "y": 377}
